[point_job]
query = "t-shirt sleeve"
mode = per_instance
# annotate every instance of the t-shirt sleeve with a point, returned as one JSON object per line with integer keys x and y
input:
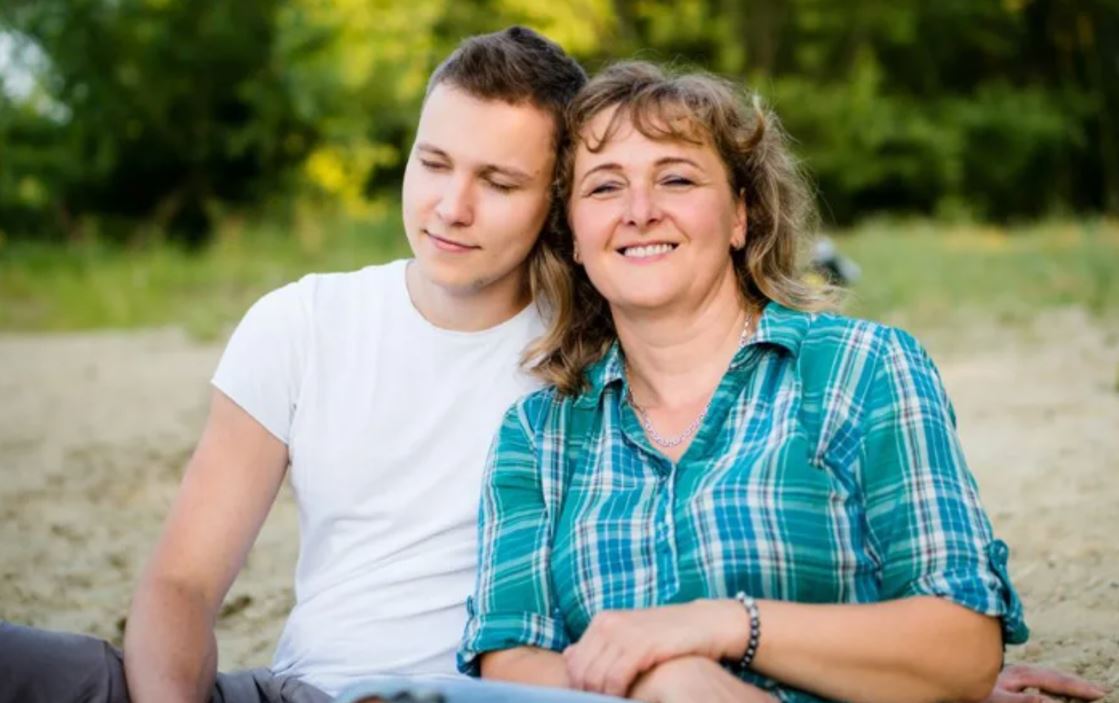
{"x": 262, "y": 366}
{"x": 925, "y": 518}
{"x": 513, "y": 605}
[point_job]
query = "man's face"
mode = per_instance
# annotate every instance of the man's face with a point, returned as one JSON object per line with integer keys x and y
{"x": 476, "y": 189}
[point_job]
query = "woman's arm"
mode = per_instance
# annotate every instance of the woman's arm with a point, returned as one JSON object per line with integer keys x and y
{"x": 946, "y": 600}
{"x": 914, "y": 649}
{"x": 512, "y": 616}
{"x": 527, "y": 665}
{"x": 692, "y": 679}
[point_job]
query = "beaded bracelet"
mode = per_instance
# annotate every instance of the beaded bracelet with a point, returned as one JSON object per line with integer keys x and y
{"x": 751, "y": 607}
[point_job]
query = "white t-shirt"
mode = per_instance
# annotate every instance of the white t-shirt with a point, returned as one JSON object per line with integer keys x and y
{"x": 388, "y": 420}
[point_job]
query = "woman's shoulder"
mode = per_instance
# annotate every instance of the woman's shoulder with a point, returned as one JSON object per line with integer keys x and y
{"x": 548, "y": 417}
{"x": 856, "y": 339}
{"x": 530, "y": 412}
{"x": 836, "y": 351}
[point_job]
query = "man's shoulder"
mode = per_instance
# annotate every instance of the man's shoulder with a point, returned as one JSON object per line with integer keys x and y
{"x": 331, "y": 295}
{"x": 360, "y": 282}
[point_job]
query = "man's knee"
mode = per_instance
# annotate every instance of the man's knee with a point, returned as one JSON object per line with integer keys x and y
{"x": 39, "y": 665}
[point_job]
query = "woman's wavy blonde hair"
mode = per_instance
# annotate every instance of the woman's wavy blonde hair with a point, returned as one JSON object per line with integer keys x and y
{"x": 696, "y": 108}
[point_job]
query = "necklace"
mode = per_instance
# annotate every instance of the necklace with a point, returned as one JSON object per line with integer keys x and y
{"x": 647, "y": 422}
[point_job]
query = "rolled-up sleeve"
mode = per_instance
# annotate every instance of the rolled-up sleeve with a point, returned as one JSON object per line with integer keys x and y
{"x": 513, "y": 603}
{"x": 925, "y": 520}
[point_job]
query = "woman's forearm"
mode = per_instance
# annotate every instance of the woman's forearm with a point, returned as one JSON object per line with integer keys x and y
{"x": 914, "y": 649}
{"x": 527, "y": 665}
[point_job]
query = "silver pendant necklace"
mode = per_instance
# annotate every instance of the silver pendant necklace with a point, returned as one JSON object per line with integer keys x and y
{"x": 647, "y": 422}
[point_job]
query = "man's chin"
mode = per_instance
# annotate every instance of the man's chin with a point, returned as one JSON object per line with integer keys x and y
{"x": 452, "y": 278}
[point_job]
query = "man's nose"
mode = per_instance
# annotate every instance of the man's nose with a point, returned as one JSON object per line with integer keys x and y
{"x": 455, "y": 206}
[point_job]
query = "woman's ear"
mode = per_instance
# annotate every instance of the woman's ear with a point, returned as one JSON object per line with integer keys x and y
{"x": 738, "y": 237}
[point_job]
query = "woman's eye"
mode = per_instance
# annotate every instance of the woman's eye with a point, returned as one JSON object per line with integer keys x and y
{"x": 678, "y": 181}
{"x": 501, "y": 187}
{"x": 433, "y": 165}
{"x": 603, "y": 189}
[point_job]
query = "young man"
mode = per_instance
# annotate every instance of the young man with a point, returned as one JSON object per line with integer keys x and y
{"x": 381, "y": 389}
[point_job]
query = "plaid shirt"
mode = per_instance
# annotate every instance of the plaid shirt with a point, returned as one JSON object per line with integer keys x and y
{"x": 827, "y": 470}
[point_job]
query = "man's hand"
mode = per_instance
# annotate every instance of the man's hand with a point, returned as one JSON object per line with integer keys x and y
{"x": 620, "y": 645}
{"x": 690, "y": 679}
{"x": 1016, "y": 680}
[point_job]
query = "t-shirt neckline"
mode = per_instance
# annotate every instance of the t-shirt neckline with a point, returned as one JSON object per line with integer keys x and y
{"x": 401, "y": 287}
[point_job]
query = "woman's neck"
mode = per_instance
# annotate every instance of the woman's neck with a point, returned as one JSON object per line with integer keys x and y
{"x": 675, "y": 358}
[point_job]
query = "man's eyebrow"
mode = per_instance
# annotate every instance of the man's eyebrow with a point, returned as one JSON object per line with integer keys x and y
{"x": 432, "y": 149}
{"x": 515, "y": 174}
{"x": 508, "y": 171}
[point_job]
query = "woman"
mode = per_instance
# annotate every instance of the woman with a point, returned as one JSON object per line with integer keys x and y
{"x": 723, "y": 486}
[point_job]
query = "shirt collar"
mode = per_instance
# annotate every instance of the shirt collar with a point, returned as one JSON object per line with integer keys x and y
{"x": 782, "y": 327}
{"x": 779, "y": 326}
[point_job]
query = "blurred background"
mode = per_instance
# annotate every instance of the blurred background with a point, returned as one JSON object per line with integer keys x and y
{"x": 143, "y": 141}
{"x": 165, "y": 162}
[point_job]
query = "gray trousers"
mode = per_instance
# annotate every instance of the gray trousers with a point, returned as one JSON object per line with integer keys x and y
{"x": 37, "y": 666}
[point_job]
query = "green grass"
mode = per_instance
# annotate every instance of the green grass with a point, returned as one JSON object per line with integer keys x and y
{"x": 927, "y": 273}
{"x": 920, "y": 273}
{"x": 92, "y": 286}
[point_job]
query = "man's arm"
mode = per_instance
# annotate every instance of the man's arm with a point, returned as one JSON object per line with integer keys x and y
{"x": 230, "y": 483}
{"x": 1016, "y": 682}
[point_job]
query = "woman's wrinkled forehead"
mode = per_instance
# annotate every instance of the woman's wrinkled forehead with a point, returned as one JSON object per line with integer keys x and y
{"x": 657, "y": 120}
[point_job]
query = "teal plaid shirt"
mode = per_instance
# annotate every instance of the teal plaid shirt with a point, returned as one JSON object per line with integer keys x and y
{"x": 827, "y": 470}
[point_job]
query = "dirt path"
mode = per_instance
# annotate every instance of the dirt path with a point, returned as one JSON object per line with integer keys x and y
{"x": 95, "y": 429}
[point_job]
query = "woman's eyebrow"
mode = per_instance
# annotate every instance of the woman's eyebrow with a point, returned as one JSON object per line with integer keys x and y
{"x": 601, "y": 167}
{"x": 673, "y": 160}
{"x": 663, "y": 161}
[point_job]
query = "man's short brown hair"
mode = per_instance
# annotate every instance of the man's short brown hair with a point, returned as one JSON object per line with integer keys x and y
{"x": 516, "y": 65}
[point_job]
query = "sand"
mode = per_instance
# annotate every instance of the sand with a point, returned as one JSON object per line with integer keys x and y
{"x": 95, "y": 429}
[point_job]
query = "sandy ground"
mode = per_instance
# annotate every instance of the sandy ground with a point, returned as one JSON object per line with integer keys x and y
{"x": 95, "y": 430}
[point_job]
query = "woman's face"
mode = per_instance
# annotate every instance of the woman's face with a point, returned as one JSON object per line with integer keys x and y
{"x": 654, "y": 221}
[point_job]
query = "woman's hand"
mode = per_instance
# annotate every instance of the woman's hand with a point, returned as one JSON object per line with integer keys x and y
{"x": 620, "y": 645}
{"x": 689, "y": 679}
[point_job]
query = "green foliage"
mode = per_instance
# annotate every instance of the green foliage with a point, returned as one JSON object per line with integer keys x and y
{"x": 158, "y": 115}
{"x": 165, "y": 106}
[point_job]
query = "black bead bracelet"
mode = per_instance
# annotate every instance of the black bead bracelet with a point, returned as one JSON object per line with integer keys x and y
{"x": 751, "y": 607}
